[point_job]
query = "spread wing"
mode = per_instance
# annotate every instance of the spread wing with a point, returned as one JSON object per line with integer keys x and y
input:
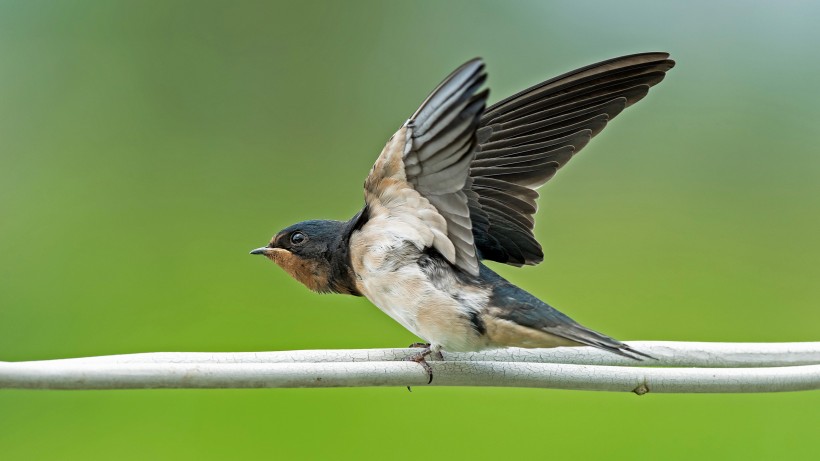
{"x": 524, "y": 139}
{"x": 418, "y": 182}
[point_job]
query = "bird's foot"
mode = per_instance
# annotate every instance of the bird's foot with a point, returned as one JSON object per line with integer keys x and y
{"x": 437, "y": 354}
{"x": 420, "y": 358}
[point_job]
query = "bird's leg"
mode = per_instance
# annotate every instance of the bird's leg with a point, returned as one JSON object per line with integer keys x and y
{"x": 420, "y": 359}
{"x": 436, "y": 353}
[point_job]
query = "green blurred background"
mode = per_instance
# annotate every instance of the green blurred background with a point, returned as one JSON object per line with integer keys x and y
{"x": 146, "y": 146}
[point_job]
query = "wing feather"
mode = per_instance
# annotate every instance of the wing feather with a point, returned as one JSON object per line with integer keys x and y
{"x": 463, "y": 180}
{"x": 524, "y": 139}
{"x": 430, "y": 160}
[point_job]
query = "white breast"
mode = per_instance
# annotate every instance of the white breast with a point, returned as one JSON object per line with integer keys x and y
{"x": 386, "y": 273}
{"x": 385, "y": 261}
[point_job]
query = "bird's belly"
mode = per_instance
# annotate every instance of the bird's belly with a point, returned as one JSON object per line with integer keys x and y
{"x": 407, "y": 295}
{"x": 400, "y": 294}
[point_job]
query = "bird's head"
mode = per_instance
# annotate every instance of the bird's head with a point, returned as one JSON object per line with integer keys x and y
{"x": 306, "y": 251}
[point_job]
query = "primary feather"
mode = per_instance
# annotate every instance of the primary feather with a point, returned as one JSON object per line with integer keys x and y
{"x": 524, "y": 139}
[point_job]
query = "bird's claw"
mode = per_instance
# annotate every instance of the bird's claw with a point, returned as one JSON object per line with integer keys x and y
{"x": 419, "y": 346}
{"x": 420, "y": 358}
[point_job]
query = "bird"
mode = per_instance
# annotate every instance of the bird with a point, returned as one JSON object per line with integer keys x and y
{"x": 455, "y": 186}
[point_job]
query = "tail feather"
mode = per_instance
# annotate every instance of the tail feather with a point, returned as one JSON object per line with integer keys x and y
{"x": 583, "y": 335}
{"x": 512, "y": 304}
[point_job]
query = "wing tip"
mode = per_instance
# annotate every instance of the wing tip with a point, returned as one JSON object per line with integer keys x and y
{"x": 474, "y": 69}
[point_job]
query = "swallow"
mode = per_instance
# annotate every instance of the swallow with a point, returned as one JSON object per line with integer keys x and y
{"x": 457, "y": 185}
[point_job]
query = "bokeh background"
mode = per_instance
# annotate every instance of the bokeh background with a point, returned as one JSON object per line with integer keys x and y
{"x": 146, "y": 146}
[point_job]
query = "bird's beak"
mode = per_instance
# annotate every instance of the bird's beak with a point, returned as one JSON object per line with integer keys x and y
{"x": 261, "y": 251}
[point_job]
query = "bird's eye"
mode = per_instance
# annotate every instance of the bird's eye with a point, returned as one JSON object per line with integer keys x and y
{"x": 297, "y": 238}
